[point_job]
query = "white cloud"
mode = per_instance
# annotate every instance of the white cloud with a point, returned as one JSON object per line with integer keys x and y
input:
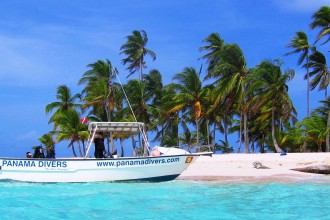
{"x": 301, "y": 5}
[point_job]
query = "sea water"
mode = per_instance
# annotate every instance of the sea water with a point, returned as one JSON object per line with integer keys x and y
{"x": 166, "y": 200}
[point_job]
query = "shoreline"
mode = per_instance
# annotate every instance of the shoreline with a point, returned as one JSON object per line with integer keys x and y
{"x": 271, "y": 167}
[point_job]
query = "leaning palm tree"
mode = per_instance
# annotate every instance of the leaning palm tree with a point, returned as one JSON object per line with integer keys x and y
{"x": 300, "y": 44}
{"x": 322, "y": 20}
{"x": 270, "y": 91}
{"x": 135, "y": 50}
{"x": 65, "y": 102}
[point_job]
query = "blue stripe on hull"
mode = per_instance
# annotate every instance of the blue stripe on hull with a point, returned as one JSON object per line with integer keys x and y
{"x": 153, "y": 179}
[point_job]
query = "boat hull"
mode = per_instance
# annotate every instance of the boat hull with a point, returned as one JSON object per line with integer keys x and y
{"x": 162, "y": 168}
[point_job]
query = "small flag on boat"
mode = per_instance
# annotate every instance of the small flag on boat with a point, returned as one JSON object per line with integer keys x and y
{"x": 84, "y": 120}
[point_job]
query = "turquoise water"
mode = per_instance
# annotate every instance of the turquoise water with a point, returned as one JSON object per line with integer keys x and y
{"x": 167, "y": 200}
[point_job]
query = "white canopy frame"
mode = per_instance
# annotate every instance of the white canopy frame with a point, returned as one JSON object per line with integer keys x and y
{"x": 117, "y": 128}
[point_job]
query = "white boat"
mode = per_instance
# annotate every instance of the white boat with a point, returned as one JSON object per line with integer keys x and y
{"x": 162, "y": 164}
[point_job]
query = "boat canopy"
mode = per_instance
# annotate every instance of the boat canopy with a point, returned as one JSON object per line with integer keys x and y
{"x": 116, "y": 127}
{"x": 115, "y": 130}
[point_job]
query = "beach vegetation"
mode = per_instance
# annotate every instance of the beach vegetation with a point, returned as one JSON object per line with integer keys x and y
{"x": 222, "y": 97}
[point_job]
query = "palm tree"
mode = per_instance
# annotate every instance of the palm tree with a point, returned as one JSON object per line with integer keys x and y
{"x": 324, "y": 111}
{"x": 154, "y": 92}
{"x": 135, "y": 50}
{"x": 48, "y": 142}
{"x": 65, "y": 102}
{"x": 320, "y": 72}
{"x": 322, "y": 20}
{"x": 154, "y": 87}
{"x": 187, "y": 137}
{"x": 100, "y": 90}
{"x": 189, "y": 96}
{"x": 294, "y": 138}
{"x": 99, "y": 69}
{"x": 215, "y": 48}
{"x": 136, "y": 104}
{"x": 219, "y": 113}
{"x": 270, "y": 92}
{"x": 100, "y": 98}
{"x": 232, "y": 73}
{"x": 134, "y": 89}
{"x": 70, "y": 128}
{"x": 168, "y": 133}
{"x": 300, "y": 44}
{"x": 316, "y": 129}
{"x": 228, "y": 66}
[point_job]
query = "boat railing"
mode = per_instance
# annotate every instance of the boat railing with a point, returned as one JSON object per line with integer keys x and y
{"x": 204, "y": 148}
{"x": 198, "y": 148}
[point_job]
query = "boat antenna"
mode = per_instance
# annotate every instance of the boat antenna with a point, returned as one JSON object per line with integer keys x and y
{"x": 121, "y": 85}
{"x": 142, "y": 131}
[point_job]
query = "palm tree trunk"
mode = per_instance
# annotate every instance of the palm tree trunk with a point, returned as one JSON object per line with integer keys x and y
{"x": 246, "y": 134}
{"x": 308, "y": 86}
{"x": 225, "y": 132}
{"x": 73, "y": 151}
{"x": 327, "y": 141}
{"x": 207, "y": 131}
{"x": 197, "y": 131}
{"x": 262, "y": 146}
{"x": 134, "y": 153}
{"x": 79, "y": 148}
{"x": 140, "y": 74}
{"x": 213, "y": 141}
{"x": 240, "y": 133}
{"x": 319, "y": 146}
{"x": 107, "y": 110}
{"x": 121, "y": 147}
{"x": 83, "y": 144}
{"x": 277, "y": 148}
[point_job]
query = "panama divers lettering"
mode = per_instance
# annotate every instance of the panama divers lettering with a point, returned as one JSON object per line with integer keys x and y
{"x": 31, "y": 163}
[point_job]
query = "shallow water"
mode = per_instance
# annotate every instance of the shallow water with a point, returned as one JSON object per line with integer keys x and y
{"x": 167, "y": 200}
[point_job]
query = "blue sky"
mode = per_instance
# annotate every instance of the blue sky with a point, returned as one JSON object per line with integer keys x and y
{"x": 44, "y": 44}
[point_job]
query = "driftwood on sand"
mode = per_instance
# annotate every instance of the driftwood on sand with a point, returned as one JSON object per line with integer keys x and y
{"x": 319, "y": 169}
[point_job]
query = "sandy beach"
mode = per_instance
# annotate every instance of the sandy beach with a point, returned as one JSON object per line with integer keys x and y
{"x": 242, "y": 168}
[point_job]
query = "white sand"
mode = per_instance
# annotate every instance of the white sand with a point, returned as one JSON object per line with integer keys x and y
{"x": 239, "y": 167}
